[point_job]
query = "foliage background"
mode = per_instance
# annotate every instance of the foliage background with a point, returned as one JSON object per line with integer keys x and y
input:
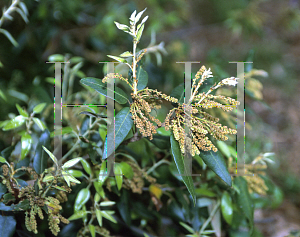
{"x": 213, "y": 32}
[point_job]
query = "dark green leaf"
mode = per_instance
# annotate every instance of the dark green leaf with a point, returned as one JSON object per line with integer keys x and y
{"x": 7, "y": 151}
{"x": 217, "y": 163}
{"x": 8, "y": 224}
{"x": 15, "y": 122}
{"x": 124, "y": 207}
{"x": 179, "y": 161}
{"x": 162, "y": 142}
{"x": 178, "y": 93}
{"x": 98, "y": 85}
{"x": 3, "y": 189}
{"x": 93, "y": 114}
{"x": 22, "y": 206}
{"x": 8, "y": 197}
{"x": 40, "y": 157}
{"x": 244, "y": 199}
{"x": 123, "y": 124}
{"x": 226, "y": 207}
{"x": 82, "y": 197}
{"x": 142, "y": 77}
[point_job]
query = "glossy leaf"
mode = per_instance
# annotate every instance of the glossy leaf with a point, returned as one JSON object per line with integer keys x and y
{"x": 99, "y": 216}
{"x": 14, "y": 123}
{"x": 3, "y": 189}
{"x": 139, "y": 33}
{"x": 71, "y": 163}
{"x": 107, "y": 203}
{"x": 51, "y": 155}
{"x": 40, "y": 124}
{"x": 126, "y": 170}
{"x": 40, "y": 157}
{"x": 69, "y": 178}
{"x": 142, "y": 77}
{"x": 179, "y": 161}
{"x": 8, "y": 224}
{"x": 21, "y": 111}
{"x": 103, "y": 173}
{"x": 92, "y": 230}
{"x": 107, "y": 216}
{"x": 77, "y": 215}
{"x": 118, "y": 175}
{"x": 244, "y": 199}
{"x": 39, "y": 108}
{"x": 120, "y": 96}
{"x": 26, "y": 142}
{"x": 123, "y": 124}
{"x": 226, "y": 207}
{"x": 99, "y": 188}
{"x": 86, "y": 166}
{"x": 138, "y": 16}
{"x": 76, "y": 173}
{"x": 56, "y": 58}
{"x": 82, "y": 197}
{"x": 217, "y": 164}
{"x": 121, "y": 26}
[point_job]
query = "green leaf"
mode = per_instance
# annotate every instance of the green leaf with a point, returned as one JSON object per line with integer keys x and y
{"x": 39, "y": 123}
{"x": 99, "y": 188}
{"x": 22, "y": 206}
{"x": 138, "y": 16}
{"x": 126, "y": 54}
{"x": 142, "y": 77}
{"x": 217, "y": 164}
{"x": 26, "y": 142}
{"x": 51, "y": 155}
{"x": 64, "y": 130}
{"x": 2, "y": 95}
{"x": 3, "y": 189}
{"x": 92, "y": 230}
{"x": 118, "y": 175}
{"x": 82, "y": 197}
{"x": 106, "y": 215}
{"x": 56, "y": 58}
{"x": 39, "y": 108}
{"x": 60, "y": 188}
{"x": 98, "y": 85}
{"x": 139, "y": 33}
{"x": 187, "y": 227}
{"x": 21, "y": 111}
{"x": 226, "y": 207}
{"x": 86, "y": 166}
{"x": 76, "y": 173}
{"x": 40, "y": 157}
{"x": 9, "y": 37}
{"x": 48, "y": 178}
{"x": 244, "y": 200}
{"x": 103, "y": 173}
{"x": 123, "y": 124}
{"x": 77, "y": 215}
{"x": 123, "y": 206}
{"x": 224, "y": 147}
{"x": 107, "y": 203}
{"x": 126, "y": 170}
{"x": 121, "y": 26}
{"x": 179, "y": 161}
{"x": 14, "y": 123}
{"x": 71, "y": 163}
{"x": 2, "y": 160}
{"x": 121, "y": 60}
{"x": 8, "y": 224}
{"x": 99, "y": 217}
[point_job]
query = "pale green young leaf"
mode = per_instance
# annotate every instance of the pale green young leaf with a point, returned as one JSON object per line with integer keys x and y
{"x": 121, "y": 26}
{"x": 118, "y": 175}
{"x": 39, "y": 108}
{"x": 126, "y": 54}
{"x": 9, "y": 37}
{"x": 139, "y": 33}
{"x": 92, "y": 230}
{"x": 121, "y": 60}
{"x": 138, "y": 16}
{"x": 51, "y": 155}
{"x": 187, "y": 227}
{"x": 2, "y": 160}
{"x": 26, "y": 142}
{"x": 106, "y": 215}
{"x": 40, "y": 124}
{"x": 132, "y": 17}
{"x": 21, "y": 111}
{"x": 14, "y": 123}
{"x": 107, "y": 203}
{"x": 71, "y": 163}
{"x": 143, "y": 21}
{"x": 99, "y": 216}
{"x": 77, "y": 215}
